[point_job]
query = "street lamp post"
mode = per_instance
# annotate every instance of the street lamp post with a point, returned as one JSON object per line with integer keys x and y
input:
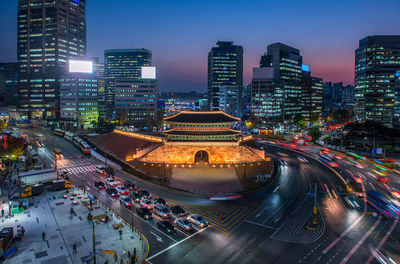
{"x": 94, "y": 246}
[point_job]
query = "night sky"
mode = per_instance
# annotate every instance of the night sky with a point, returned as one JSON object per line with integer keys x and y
{"x": 180, "y": 33}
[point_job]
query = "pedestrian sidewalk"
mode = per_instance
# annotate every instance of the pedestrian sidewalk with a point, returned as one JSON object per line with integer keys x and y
{"x": 51, "y": 214}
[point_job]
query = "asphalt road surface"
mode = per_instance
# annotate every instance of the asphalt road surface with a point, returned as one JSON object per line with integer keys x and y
{"x": 265, "y": 226}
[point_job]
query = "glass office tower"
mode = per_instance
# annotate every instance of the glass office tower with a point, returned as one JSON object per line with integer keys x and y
{"x": 286, "y": 63}
{"x": 122, "y": 64}
{"x": 376, "y": 62}
{"x": 225, "y": 67}
{"x": 49, "y": 33}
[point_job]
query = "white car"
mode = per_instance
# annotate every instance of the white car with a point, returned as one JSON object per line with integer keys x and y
{"x": 100, "y": 169}
{"x": 111, "y": 182}
{"x": 122, "y": 190}
{"x": 198, "y": 220}
{"x": 146, "y": 203}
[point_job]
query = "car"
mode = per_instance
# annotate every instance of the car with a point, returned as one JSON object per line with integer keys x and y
{"x": 144, "y": 213}
{"x": 324, "y": 151}
{"x": 159, "y": 200}
{"x": 129, "y": 185}
{"x": 136, "y": 197}
{"x": 39, "y": 166}
{"x": 184, "y": 223}
{"x": 33, "y": 126}
{"x": 111, "y": 182}
{"x": 302, "y": 159}
{"x": 100, "y": 169}
{"x": 125, "y": 201}
{"x": 145, "y": 194}
{"x": 283, "y": 154}
{"x": 109, "y": 171}
{"x": 146, "y": 203}
{"x": 112, "y": 192}
{"x": 162, "y": 211}
{"x": 358, "y": 165}
{"x": 306, "y": 143}
{"x": 177, "y": 210}
{"x": 283, "y": 163}
{"x": 166, "y": 226}
{"x": 99, "y": 185}
{"x": 64, "y": 174}
{"x": 122, "y": 190}
{"x": 358, "y": 179}
{"x": 198, "y": 220}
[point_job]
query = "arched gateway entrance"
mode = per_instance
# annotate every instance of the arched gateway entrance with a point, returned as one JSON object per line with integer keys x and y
{"x": 201, "y": 156}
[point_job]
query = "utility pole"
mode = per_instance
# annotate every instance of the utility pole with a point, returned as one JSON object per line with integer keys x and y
{"x": 94, "y": 246}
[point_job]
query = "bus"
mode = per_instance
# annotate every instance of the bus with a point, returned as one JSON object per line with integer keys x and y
{"x": 77, "y": 141}
{"x": 69, "y": 136}
{"x": 59, "y": 132}
{"x": 381, "y": 204}
{"x": 84, "y": 147}
{"x": 57, "y": 153}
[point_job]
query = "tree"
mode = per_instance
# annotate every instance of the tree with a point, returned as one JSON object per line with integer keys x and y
{"x": 314, "y": 118}
{"x": 123, "y": 118}
{"x": 315, "y": 133}
{"x": 327, "y": 140}
{"x": 3, "y": 124}
{"x": 11, "y": 148}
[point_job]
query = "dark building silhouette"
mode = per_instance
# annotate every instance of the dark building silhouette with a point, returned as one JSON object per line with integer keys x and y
{"x": 225, "y": 67}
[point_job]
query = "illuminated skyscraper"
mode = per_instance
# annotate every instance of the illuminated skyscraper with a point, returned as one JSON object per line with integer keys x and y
{"x": 286, "y": 63}
{"x": 49, "y": 33}
{"x": 376, "y": 62}
{"x": 225, "y": 67}
{"x": 311, "y": 97}
{"x": 123, "y": 64}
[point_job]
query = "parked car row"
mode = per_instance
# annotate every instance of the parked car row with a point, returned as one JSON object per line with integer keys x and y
{"x": 147, "y": 206}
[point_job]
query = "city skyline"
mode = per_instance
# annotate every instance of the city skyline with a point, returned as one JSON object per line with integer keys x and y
{"x": 328, "y": 46}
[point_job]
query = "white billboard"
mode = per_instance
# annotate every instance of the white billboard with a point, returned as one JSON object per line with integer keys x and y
{"x": 148, "y": 72}
{"x": 80, "y": 66}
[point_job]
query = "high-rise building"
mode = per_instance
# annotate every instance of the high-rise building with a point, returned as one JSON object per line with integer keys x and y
{"x": 79, "y": 95}
{"x": 376, "y": 62}
{"x": 225, "y": 67}
{"x": 396, "y": 110}
{"x": 123, "y": 64}
{"x": 8, "y": 83}
{"x": 230, "y": 100}
{"x": 311, "y": 102}
{"x": 49, "y": 33}
{"x": 98, "y": 70}
{"x": 267, "y": 100}
{"x": 286, "y": 63}
{"x": 336, "y": 96}
{"x": 136, "y": 100}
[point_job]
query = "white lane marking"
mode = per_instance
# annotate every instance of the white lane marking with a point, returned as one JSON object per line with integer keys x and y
{"x": 382, "y": 242}
{"x": 348, "y": 256}
{"x": 254, "y": 223}
{"x": 176, "y": 244}
{"x": 277, "y": 187}
{"x": 331, "y": 245}
{"x": 158, "y": 238}
{"x": 372, "y": 186}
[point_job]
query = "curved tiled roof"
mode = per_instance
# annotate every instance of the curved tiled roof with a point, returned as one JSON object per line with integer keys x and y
{"x": 202, "y": 133}
{"x": 202, "y": 117}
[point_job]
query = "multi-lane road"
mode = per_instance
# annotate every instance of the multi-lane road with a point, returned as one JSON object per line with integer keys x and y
{"x": 265, "y": 226}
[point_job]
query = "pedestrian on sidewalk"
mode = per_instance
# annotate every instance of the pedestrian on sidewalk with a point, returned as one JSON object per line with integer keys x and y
{"x": 115, "y": 257}
{"x": 120, "y": 234}
{"x": 106, "y": 262}
{"x": 2, "y": 212}
{"x": 22, "y": 230}
{"x": 122, "y": 261}
{"x": 44, "y": 236}
{"x": 72, "y": 211}
{"x": 129, "y": 254}
{"x": 134, "y": 255}
{"x": 74, "y": 248}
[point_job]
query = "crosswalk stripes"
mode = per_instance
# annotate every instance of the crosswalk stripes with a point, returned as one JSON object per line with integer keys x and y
{"x": 223, "y": 219}
{"x": 80, "y": 169}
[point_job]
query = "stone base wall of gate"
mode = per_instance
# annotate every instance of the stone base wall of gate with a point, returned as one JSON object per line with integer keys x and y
{"x": 218, "y": 153}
